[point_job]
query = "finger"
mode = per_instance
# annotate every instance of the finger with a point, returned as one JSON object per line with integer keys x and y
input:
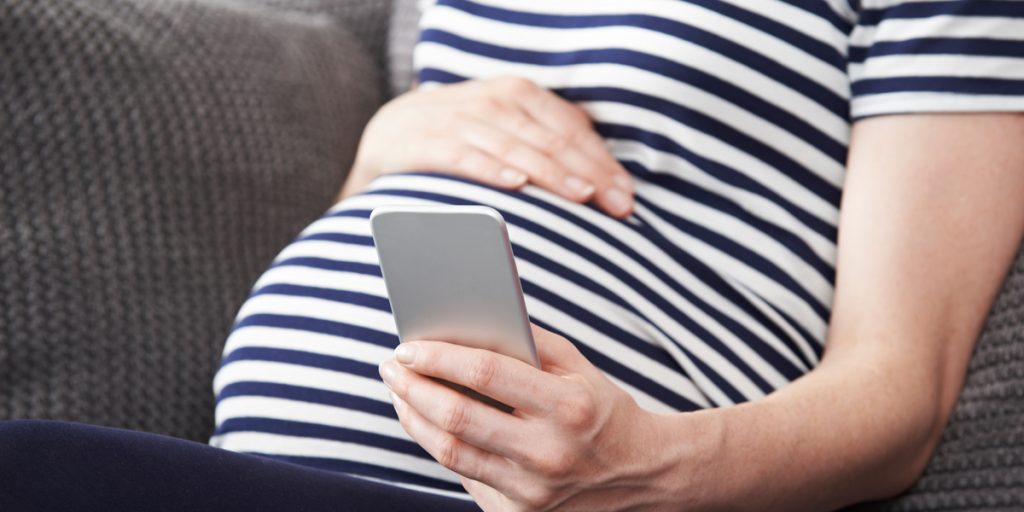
{"x": 451, "y": 452}
{"x": 485, "y": 496}
{"x": 466, "y": 418}
{"x": 557, "y": 354}
{"x": 519, "y": 154}
{"x": 613, "y": 186}
{"x": 465, "y": 160}
{"x": 574, "y": 131}
{"x": 505, "y": 379}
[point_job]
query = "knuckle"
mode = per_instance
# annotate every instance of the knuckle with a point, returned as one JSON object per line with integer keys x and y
{"x": 578, "y": 411}
{"x": 456, "y": 418}
{"x": 459, "y": 155}
{"x": 555, "y": 143}
{"x": 482, "y": 372}
{"x": 537, "y": 497}
{"x": 505, "y": 147}
{"x": 448, "y": 452}
{"x": 517, "y": 85}
{"x": 555, "y": 464}
{"x": 487, "y": 105}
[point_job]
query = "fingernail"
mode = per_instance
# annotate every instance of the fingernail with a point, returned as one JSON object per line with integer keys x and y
{"x": 578, "y": 186}
{"x": 617, "y": 200}
{"x": 387, "y": 371}
{"x": 394, "y": 398}
{"x": 406, "y": 352}
{"x": 622, "y": 181}
{"x": 512, "y": 176}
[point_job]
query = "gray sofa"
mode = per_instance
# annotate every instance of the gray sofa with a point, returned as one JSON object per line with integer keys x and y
{"x": 155, "y": 155}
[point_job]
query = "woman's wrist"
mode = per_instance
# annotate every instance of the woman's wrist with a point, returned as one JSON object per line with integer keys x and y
{"x": 680, "y": 465}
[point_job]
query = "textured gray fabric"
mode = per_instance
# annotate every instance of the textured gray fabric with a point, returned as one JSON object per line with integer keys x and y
{"x": 979, "y": 465}
{"x": 154, "y": 157}
{"x": 402, "y": 38}
{"x": 367, "y": 20}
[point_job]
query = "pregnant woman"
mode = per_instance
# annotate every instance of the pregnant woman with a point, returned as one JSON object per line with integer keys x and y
{"x": 757, "y": 239}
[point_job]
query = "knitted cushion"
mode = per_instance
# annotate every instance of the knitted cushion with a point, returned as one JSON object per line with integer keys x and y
{"x": 979, "y": 465}
{"x": 154, "y": 157}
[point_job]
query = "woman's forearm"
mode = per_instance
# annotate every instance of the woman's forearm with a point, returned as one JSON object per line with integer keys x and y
{"x": 840, "y": 434}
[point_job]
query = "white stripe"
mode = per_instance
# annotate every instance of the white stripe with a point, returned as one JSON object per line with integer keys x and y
{"x": 951, "y": 26}
{"x": 311, "y": 307}
{"x": 799, "y": 20}
{"x": 354, "y": 253}
{"x": 744, "y": 235}
{"x": 919, "y": 102}
{"x": 306, "y": 341}
{"x": 939, "y": 65}
{"x": 321, "y": 278}
{"x": 757, "y": 205}
{"x": 317, "y": 414}
{"x": 776, "y": 294}
{"x": 299, "y": 375}
{"x": 715, "y": 150}
{"x": 292, "y": 446}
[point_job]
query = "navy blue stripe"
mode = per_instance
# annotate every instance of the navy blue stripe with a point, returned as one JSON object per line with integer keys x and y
{"x": 332, "y": 328}
{"x": 607, "y": 364}
{"x": 983, "y": 47}
{"x": 824, "y": 11}
{"x": 812, "y": 90}
{"x": 950, "y": 84}
{"x": 727, "y": 291}
{"x": 342, "y": 238}
{"x": 707, "y": 124}
{"x": 425, "y": 75}
{"x": 367, "y": 470}
{"x": 328, "y": 264}
{"x": 343, "y": 296}
{"x": 308, "y": 395}
{"x": 315, "y": 431}
{"x": 906, "y": 10}
{"x": 816, "y": 345}
{"x": 736, "y": 210}
{"x": 748, "y": 256}
{"x": 720, "y": 171}
{"x": 300, "y": 358}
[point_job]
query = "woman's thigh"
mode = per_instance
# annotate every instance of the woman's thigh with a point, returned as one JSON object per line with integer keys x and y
{"x": 59, "y": 466}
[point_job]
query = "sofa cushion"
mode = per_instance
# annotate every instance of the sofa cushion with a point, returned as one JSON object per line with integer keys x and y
{"x": 154, "y": 156}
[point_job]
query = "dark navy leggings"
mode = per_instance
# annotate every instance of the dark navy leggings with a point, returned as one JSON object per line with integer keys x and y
{"x": 57, "y": 466}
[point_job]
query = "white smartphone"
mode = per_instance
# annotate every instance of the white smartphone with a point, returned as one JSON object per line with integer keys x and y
{"x": 450, "y": 276}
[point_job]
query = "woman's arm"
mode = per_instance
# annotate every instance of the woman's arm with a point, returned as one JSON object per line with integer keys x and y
{"x": 932, "y": 215}
{"x": 933, "y": 212}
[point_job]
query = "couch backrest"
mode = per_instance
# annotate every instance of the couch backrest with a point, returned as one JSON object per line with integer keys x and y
{"x": 154, "y": 157}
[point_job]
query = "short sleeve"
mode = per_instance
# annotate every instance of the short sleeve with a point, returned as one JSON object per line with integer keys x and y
{"x": 937, "y": 56}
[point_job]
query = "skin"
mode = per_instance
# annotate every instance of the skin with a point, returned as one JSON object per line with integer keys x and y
{"x": 504, "y": 132}
{"x": 931, "y": 218}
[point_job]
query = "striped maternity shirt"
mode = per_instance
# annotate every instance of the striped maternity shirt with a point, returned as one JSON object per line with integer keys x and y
{"x": 734, "y": 118}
